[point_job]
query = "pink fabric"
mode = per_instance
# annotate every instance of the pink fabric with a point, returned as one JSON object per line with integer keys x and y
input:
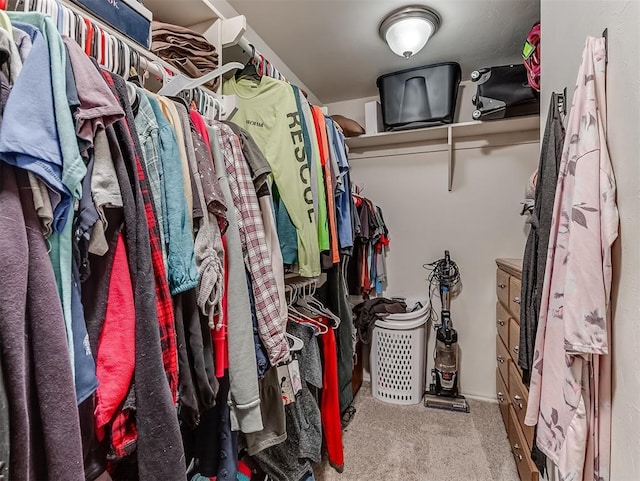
{"x": 200, "y": 125}
{"x": 570, "y": 392}
{"x": 219, "y": 332}
{"x": 115, "y": 361}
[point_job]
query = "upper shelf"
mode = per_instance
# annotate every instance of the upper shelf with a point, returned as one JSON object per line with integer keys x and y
{"x": 185, "y": 13}
{"x": 441, "y": 132}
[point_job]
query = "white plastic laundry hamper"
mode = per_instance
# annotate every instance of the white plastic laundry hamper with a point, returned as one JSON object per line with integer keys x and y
{"x": 398, "y": 349}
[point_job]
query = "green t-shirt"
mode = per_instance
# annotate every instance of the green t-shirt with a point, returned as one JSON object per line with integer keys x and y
{"x": 268, "y": 111}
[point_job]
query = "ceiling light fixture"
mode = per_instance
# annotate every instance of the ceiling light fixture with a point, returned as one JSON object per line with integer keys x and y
{"x": 408, "y": 29}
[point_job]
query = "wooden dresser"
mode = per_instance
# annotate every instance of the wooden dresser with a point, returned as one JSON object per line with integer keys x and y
{"x": 512, "y": 394}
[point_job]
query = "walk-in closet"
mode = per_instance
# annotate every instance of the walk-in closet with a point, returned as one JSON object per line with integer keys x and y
{"x": 330, "y": 240}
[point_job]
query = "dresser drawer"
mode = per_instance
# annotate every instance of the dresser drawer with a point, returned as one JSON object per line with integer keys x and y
{"x": 502, "y": 322}
{"x": 503, "y": 398}
{"x": 502, "y": 287}
{"x": 519, "y": 396}
{"x": 521, "y": 453}
{"x": 503, "y": 359}
{"x": 515, "y": 291}
{"x": 514, "y": 341}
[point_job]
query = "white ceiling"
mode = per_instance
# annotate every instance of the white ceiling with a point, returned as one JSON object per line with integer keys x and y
{"x": 333, "y": 46}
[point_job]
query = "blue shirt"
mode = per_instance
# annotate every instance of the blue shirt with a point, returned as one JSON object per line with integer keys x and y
{"x": 343, "y": 188}
{"x": 29, "y": 136}
{"x": 181, "y": 259}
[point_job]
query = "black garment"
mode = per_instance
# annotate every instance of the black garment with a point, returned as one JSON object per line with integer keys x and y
{"x": 213, "y": 445}
{"x": 94, "y": 452}
{"x": 4, "y": 430}
{"x": 535, "y": 253}
{"x": 198, "y": 385}
{"x": 333, "y": 295}
{"x": 160, "y": 452}
{"x": 95, "y": 289}
{"x": 44, "y": 427}
{"x": 368, "y": 312}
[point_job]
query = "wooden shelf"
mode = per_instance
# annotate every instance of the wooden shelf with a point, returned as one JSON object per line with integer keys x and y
{"x": 185, "y": 13}
{"x": 442, "y": 132}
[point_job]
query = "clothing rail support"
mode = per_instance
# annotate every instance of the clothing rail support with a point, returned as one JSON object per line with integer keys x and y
{"x": 451, "y": 166}
{"x": 181, "y": 82}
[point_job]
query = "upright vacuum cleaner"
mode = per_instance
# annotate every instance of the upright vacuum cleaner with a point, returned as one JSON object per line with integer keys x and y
{"x": 443, "y": 391}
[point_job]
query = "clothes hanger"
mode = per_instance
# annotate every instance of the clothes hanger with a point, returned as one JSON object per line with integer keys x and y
{"x": 126, "y": 61}
{"x": 88, "y": 37}
{"x": 217, "y": 106}
{"x": 315, "y": 306}
{"x": 296, "y": 316}
{"x": 297, "y": 343}
{"x": 301, "y": 318}
{"x": 249, "y": 71}
{"x": 115, "y": 55}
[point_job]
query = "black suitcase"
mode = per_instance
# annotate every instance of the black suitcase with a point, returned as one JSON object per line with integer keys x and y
{"x": 503, "y": 92}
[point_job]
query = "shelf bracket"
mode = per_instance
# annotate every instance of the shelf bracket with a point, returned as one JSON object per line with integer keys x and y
{"x": 233, "y": 29}
{"x": 451, "y": 158}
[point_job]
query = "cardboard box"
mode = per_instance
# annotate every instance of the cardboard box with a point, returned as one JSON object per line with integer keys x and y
{"x": 373, "y": 118}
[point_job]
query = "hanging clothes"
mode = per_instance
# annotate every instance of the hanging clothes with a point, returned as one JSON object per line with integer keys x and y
{"x": 244, "y": 394}
{"x": 169, "y": 237}
{"x": 159, "y": 445}
{"x": 256, "y": 256}
{"x": 33, "y": 339}
{"x": 269, "y": 112}
{"x": 535, "y": 253}
{"x": 570, "y": 391}
{"x": 367, "y": 266}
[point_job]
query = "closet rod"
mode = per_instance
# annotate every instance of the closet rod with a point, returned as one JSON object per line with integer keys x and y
{"x": 248, "y": 47}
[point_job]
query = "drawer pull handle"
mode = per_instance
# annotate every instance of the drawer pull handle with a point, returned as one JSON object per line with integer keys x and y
{"x": 500, "y": 359}
{"x": 501, "y": 397}
{"x": 502, "y": 286}
{"x": 516, "y": 300}
{"x": 517, "y": 403}
{"x": 501, "y": 322}
{"x": 516, "y": 447}
{"x": 516, "y": 349}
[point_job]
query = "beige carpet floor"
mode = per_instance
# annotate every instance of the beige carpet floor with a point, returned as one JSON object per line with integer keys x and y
{"x": 412, "y": 443}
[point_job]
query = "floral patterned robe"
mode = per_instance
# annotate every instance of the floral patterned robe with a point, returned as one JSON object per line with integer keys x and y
{"x": 570, "y": 391}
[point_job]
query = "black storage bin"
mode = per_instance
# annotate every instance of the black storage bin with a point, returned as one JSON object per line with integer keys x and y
{"x": 419, "y": 97}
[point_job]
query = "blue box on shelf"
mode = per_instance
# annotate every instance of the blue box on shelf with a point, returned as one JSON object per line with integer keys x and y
{"x": 129, "y": 17}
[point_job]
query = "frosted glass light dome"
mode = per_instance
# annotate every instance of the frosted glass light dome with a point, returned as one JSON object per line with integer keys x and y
{"x": 408, "y": 30}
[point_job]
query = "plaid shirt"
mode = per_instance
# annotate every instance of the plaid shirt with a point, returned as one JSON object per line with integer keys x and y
{"x": 124, "y": 433}
{"x": 147, "y": 129}
{"x": 271, "y": 326}
{"x": 123, "y": 428}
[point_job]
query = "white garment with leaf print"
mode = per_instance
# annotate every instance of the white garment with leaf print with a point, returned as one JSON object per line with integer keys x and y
{"x": 570, "y": 390}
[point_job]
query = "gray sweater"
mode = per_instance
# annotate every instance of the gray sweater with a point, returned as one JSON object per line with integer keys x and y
{"x": 244, "y": 395}
{"x": 535, "y": 255}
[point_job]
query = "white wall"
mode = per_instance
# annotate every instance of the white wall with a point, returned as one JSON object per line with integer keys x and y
{"x": 478, "y": 221}
{"x": 565, "y": 25}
